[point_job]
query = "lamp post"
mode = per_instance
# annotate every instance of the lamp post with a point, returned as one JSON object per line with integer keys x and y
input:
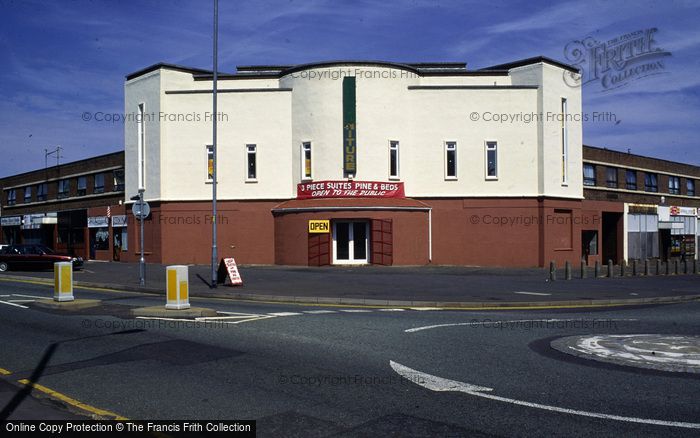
{"x": 214, "y": 257}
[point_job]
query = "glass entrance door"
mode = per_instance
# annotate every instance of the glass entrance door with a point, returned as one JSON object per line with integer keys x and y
{"x": 350, "y": 244}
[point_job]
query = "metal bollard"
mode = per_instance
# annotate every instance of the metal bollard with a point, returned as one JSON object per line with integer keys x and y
{"x": 583, "y": 269}
{"x": 177, "y": 287}
{"x": 552, "y": 271}
{"x": 634, "y": 268}
{"x": 668, "y": 267}
{"x": 685, "y": 266}
{"x": 596, "y": 269}
{"x": 623, "y": 268}
{"x": 658, "y": 266}
{"x": 695, "y": 266}
{"x": 675, "y": 267}
{"x": 63, "y": 281}
{"x": 567, "y": 270}
{"x": 610, "y": 269}
{"x": 646, "y": 267}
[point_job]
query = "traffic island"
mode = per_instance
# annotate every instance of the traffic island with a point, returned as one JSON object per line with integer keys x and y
{"x": 69, "y": 306}
{"x": 161, "y": 312}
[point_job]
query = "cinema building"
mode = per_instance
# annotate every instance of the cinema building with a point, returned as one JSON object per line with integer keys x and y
{"x": 360, "y": 163}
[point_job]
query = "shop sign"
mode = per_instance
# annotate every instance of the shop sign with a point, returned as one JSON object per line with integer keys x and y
{"x": 29, "y": 222}
{"x": 319, "y": 226}
{"x": 682, "y": 211}
{"x": 349, "y": 126}
{"x": 642, "y": 209}
{"x": 119, "y": 220}
{"x": 349, "y": 189}
{"x": 232, "y": 270}
{"x": 11, "y": 221}
{"x": 98, "y": 222}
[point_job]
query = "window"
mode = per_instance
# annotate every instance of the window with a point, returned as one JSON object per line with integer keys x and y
{"x": 491, "y": 160}
{"x": 450, "y": 160}
{"x": 394, "y": 159}
{"x": 611, "y": 177}
{"x": 674, "y": 185}
{"x": 11, "y": 197}
{"x": 99, "y": 183}
{"x": 27, "y": 194}
{"x": 650, "y": 182}
{"x": 251, "y": 163}
{"x": 119, "y": 180}
{"x": 306, "y": 167}
{"x": 82, "y": 185}
{"x": 690, "y": 187}
{"x": 210, "y": 163}
{"x": 588, "y": 174}
{"x": 589, "y": 241}
{"x": 63, "y": 188}
{"x": 631, "y": 179}
{"x": 141, "y": 146}
{"x": 564, "y": 143}
{"x": 42, "y": 192}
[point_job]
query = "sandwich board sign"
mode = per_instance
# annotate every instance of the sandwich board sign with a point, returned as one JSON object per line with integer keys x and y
{"x": 228, "y": 268}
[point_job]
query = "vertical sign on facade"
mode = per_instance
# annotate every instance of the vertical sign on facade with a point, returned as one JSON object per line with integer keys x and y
{"x": 349, "y": 127}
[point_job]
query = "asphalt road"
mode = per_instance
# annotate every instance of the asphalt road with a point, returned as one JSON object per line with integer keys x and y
{"x": 326, "y": 371}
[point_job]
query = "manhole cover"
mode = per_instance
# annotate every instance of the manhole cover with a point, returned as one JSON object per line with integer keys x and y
{"x": 674, "y": 353}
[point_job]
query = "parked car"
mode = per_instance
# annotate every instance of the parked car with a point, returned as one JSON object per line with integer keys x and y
{"x": 33, "y": 257}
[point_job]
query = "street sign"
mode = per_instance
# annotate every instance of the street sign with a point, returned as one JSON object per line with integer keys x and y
{"x": 141, "y": 211}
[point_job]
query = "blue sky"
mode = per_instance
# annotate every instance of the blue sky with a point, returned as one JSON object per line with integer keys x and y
{"x": 63, "y": 58}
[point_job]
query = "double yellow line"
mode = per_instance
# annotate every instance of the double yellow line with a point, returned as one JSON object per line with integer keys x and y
{"x": 67, "y": 400}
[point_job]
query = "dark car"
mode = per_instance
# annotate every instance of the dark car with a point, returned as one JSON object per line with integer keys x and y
{"x": 33, "y": 257}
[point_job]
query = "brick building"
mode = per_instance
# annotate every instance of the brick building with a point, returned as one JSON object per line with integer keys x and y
{"x": 645, "y": 207}
{"x": 75, "y": 208}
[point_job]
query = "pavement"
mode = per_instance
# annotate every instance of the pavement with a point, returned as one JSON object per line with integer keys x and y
{"x": 321, "y": 371}
{"x": 441, "y": 286}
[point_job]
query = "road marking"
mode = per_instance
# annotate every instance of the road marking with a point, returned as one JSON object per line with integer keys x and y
{"x": 503, "y": 324}
{"x": 355, "y": 310}
{"x": 241, "y": 321}
{"x": 531, "y": 293}
{"x": 391, "y": 310}
{"x": 5, "y": 372}
{"x": 20, "y": 301}
{"x": 425, "y": 308}
{"x": 319, "y": 312}
{"x": 13, "y": 304}
{"x": 72, "y": 401}
{"x": 435, "y": 383}
{"x": 284, "y": 314}
{"x": 225, "y": 318}
{"x": 31, "y": 296}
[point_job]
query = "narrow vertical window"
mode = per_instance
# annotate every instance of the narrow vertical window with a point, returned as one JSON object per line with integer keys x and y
{"x": 564, "y": 143}
{"x": 611, "y": 177}
{"x": 210, "y": 163}
{"x": 99, "y": 186}
{"x": 589, "y": 174}
{"x": 11, "y": 197}
{"x": 63, "y": 188}
{"x": 251, "y": 163}
{"x": 82, "y": 185}
{"x": 306, "y": 169}
{"x": 631, "y": 179}
{"x": 491, "y": 160}
{"x": 141, "y": 147}
{"x": 394, "y": 159}
{"x": 28, "y": 194}
{"x": 450, "y": 160}
{"x": 674, "y": 185}
{"x": 690, "y": 187}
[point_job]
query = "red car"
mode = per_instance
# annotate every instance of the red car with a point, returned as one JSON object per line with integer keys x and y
{"x": 33, "y": 257}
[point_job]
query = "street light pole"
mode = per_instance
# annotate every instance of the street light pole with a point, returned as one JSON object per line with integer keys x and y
{"x": 214, "y": 257}
{"x": 142, "y": 261}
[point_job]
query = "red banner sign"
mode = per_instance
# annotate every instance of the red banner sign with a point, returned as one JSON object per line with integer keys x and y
{"x": 350, "y": 189}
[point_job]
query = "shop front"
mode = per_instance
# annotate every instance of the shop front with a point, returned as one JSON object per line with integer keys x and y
{"x": 98, "y": 227}
{"x": 121, "y": 237}
{"x": 10, "y": 229}
{"x": 677, "y": 232}
{"x": 39, "y": 229}
{"x": 352, "y": 223}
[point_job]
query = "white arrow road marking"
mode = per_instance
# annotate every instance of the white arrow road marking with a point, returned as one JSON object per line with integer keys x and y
{"x": 435, "y": 383}
{"x": 504, "y": 324}
{"x": 13, "y": 304}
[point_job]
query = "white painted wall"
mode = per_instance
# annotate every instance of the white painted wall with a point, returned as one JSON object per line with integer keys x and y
{"x": 529, "y": 153}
